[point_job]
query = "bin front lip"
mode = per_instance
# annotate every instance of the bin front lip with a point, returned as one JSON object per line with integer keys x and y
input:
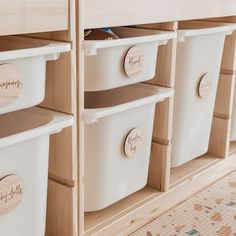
{"x": 228, "y": 28}
{"x": 160, "y": 37}
{"x": 46, "y": 47}
{"x": 157, "y": 94}
{"x": 58, "y": 122}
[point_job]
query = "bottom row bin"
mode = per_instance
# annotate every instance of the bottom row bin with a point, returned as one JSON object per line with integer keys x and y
{"x": 24, "y": 150}
{"x": 199, "y": 55}
{"x": 118, "y": 135}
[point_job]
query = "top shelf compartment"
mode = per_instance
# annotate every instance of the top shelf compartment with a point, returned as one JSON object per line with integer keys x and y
{"x": 104, "y": 13}
{"x": 30, "y": 16}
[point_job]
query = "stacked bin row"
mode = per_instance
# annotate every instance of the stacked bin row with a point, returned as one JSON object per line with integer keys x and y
{"x": 25, "y": 132}
{"x": 119, "y": 113}
{"x": 119, "y": 116}
{"x": 199, "y": 55}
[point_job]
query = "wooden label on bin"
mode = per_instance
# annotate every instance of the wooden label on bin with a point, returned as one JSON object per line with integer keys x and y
{"x": 133, "y": 142}
{"x": 11, "y": 193}
{"x": 134, "y": 61}
{"x": 11, "y": 84}
{"x": 205, "y": 86}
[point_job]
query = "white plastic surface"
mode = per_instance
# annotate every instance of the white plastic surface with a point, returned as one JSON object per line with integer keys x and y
{"x": 24, "y": 153}
{"x": 104, "y": 64}
{"x": 200, "y": 53}
{"x": 30, "y": 57}
{"x": 109, "y": 174}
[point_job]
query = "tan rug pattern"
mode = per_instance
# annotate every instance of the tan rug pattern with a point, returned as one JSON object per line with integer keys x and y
{"x": 211, "y": 212}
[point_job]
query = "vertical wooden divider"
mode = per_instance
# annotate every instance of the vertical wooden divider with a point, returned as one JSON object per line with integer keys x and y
{"x": 221, "y": 126}
{"x": 159, "y": 168}
{"x": 80, "y": 110}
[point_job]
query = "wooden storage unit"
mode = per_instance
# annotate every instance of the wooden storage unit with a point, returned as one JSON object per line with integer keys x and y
{"x": 129, "y": 214}
{"x": 65, "y": 93}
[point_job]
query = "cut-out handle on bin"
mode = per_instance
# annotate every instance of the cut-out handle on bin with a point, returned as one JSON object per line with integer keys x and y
{"x": 157, "y": 94}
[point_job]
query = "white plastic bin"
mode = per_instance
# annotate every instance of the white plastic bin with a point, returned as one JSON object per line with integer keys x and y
{"x": 119, "y": 62}
{"x": 199, "y": 56}
{"x": 23, "y": 70}
{"x": 118, "y": 134}
{"x": 24, "y": 150}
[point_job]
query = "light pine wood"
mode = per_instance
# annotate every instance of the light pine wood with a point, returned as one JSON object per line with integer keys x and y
{"x": 140, "y": 208}
{"x": 61, "y": 157}
{"x": 228, "y": 65}
{"x": 30, "y": 16}
{"x": 220, "y": 137}
{"x": 80, "y": 109}
{"x": 159, "y": 167}
{"x": 225, "y": 95}
{"x": 115, "y": 13}
{"x": 60, "y": 220}
{"x": 162, "y": 130}
{"x": 191, "y": 168}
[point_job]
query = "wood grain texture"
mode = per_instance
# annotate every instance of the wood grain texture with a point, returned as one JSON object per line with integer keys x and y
{"x": 28, "y": 16}
{"x": 116, "y": 13}
{"x": 162, "y": 130}
{"x": 61, "y": 156}
{"x": 225, "y": 95}
{"x": 228, "y": 65}
{"x": 220, "y": 137}
{"x": 159, "y": 167}
{"x": 60, "y": 221}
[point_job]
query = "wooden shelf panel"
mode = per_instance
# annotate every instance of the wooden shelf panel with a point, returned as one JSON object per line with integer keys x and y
{"x": 105, "y": 13}
{"x": 142, "y": 207}
{"x": 192, "y": 168}
{"x": 28, "y": 16}
{"x": 97, "y": 220}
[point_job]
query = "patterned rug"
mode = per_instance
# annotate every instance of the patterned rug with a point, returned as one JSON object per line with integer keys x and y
{"x": 211, "y": 212}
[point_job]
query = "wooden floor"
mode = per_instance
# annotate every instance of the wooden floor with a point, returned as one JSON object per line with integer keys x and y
{"x": 211, "y": 212}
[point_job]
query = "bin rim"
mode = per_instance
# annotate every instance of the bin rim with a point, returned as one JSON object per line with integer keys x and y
{"x": 214, "y": 28}
{"x": 48, "y": 48}
{"x": 161, "y": 37}
{"x": 57, "y": 122}
{"x": 157, "y": 94}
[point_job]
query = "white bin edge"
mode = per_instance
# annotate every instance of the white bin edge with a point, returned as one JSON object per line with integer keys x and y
{"x": 51, "y": 49}
{"x": 157, "y": 94}
{"x": 161, "y": 37}
{"x": 56, "y": 124}
{"x": 210, "y": 28}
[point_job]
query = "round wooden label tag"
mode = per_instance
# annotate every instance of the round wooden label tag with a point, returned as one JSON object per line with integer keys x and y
{"x": 133, "y": 142}
{"x": 205, "y": 85}
{"x": 134, "y": 61}
{"x": 10, "y": 84}
{"x": 11, "y": 193}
